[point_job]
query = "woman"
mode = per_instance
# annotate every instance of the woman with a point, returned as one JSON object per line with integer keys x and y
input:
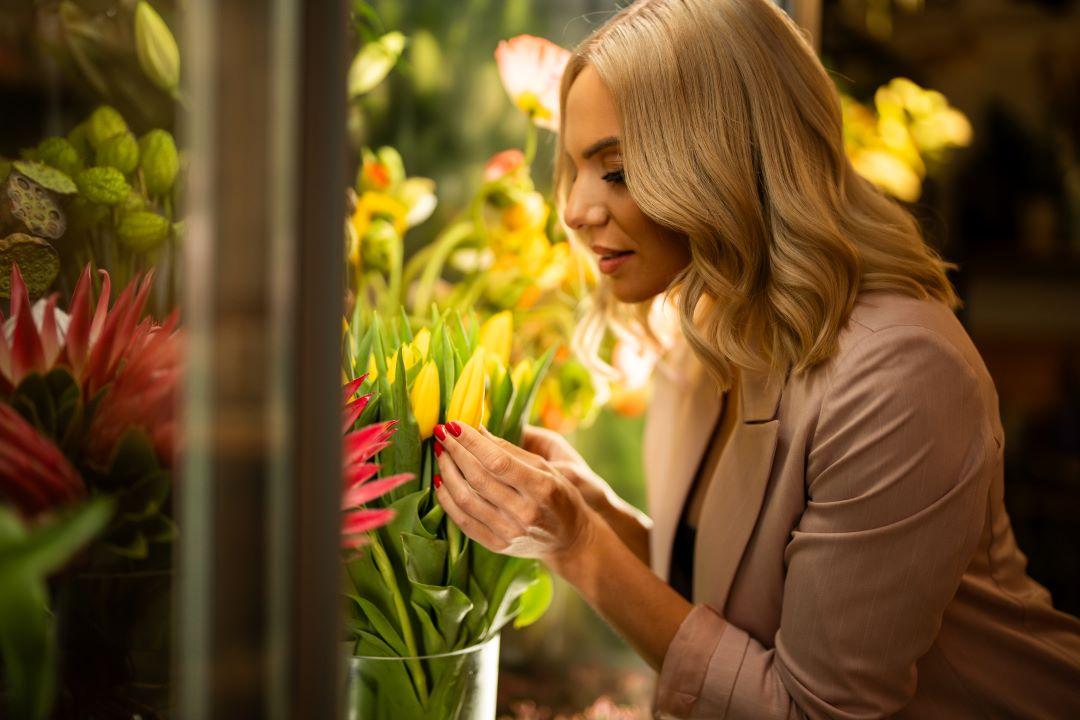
{"x": 824, "y": 454}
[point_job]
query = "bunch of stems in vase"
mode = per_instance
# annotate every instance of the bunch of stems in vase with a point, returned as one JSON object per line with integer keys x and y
{"x": 420, "y": 588}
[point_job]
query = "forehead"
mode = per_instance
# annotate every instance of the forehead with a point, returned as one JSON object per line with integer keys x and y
{"x": 590, "y": 112}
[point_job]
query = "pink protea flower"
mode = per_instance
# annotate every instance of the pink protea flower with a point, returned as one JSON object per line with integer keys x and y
{"x": 34, "y": 475}
{"x": 531, "y": 69}
{"x": 360, "y": 447}
{"x": 143, "y": 393}
{"x": 134, "y": 359}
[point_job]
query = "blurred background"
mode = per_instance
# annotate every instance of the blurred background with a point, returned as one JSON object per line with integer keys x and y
{"x": 1000, "y": 196}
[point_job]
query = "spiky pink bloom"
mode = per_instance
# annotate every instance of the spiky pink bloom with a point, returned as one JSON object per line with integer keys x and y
{"x": 531, "y": 70}
{"x": 34, "y": 475}
{"x": 136, "y": 360}
{"x": 360, "y": 446}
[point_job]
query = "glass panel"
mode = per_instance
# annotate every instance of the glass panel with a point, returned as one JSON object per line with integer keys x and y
{"x": 91, "y": 356}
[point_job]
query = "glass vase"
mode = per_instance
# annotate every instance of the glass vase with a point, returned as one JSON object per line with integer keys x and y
{"x": 459, "y": 685}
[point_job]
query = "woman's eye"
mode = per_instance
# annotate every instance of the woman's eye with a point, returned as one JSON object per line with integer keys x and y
{"x": 615, "y": 176}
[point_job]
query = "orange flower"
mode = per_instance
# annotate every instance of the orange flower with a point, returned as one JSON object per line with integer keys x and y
{"x": 531, "y": 69}
{"x": 502, "y": 164}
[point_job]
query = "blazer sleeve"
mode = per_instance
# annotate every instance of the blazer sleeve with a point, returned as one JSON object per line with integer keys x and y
{"x": 897, "y": 477}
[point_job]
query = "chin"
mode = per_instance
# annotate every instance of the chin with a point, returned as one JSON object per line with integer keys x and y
{"x": 632, "y": 293}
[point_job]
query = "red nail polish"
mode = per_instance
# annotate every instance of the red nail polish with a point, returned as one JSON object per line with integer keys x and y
{"x": 454, "y": 428}
{"x": 440, "y": 432}
{"x": 437, "y": 481}
{"x": 438, "y": 448}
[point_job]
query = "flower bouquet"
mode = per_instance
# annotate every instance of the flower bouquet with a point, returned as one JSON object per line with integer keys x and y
{"x": 87, "y": 440}
{"x": 424, "y": 602}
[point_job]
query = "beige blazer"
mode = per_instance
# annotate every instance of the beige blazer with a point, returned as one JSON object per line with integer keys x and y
{"x": 854, "y": 559}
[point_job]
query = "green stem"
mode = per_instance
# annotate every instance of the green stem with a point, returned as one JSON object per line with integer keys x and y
{"x": 382, "y": 561}
{"x": 530, "y": 144}
{"x": 445, "y": 245}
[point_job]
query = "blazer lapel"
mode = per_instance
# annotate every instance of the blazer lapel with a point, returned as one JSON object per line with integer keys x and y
{"x": 682, "y": 415}
{"x": 734, "y": 497}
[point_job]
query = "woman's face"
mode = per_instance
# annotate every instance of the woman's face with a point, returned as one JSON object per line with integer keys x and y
{"x": 640, "y": 256}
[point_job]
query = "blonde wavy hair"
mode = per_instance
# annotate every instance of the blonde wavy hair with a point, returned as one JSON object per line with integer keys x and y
{"x": 732, "y": 138}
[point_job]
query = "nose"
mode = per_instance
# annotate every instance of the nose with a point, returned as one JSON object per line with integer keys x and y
{"x": 584, "y": 209}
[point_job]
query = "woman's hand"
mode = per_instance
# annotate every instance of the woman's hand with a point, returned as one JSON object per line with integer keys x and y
{"x": 630, "y": 524}
{"x": 562, "y": 456}
{"x": 508, "y": 499}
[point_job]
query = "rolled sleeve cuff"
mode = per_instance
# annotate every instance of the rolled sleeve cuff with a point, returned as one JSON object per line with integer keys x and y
{"x": 705, "y": 645}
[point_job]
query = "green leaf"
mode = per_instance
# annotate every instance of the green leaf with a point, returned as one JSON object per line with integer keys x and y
{"x": 521, "y": 406}
{"x": 47, "y": 177}
{"x": 27, "y": 557}
{"x": 535, "y": 601}
{"x": 500, "y": 398}
{"x": 448, "y": 604}
{"x": 383, "y": 627}
{"x": 425, "y": 558}
{"x": 403, "y": 455}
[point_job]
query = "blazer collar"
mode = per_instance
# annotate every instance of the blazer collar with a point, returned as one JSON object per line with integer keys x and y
{"x": 760, "y": 392}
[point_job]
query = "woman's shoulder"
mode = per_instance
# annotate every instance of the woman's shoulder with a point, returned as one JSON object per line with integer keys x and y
{"x": 889, "y": 319}
{"x": 894, "y": 344}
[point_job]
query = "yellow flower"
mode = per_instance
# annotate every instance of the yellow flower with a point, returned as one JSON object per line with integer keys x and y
{"x": 521, "y": 373}
{"x": 408, "y": 355}
{"x": 497, "y": 334}
{"x": 422, "y": 342}
{"x": 425, "y": 399}
{"x": 529, "y": 213}
{"x": 467, "y": 399}
{"x": 376, "y": 204}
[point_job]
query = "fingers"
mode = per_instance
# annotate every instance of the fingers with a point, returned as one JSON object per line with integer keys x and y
{"x": 531, "y": 459}
{"x": 485, "y": 454}
{"x": 477, "y": 518}
{"x": 544, "y": 442}
{"x": 469, "y": 525}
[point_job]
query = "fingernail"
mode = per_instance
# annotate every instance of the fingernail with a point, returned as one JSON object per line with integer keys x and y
{"x": 437, "y": 480}
{"x": 440, "y": 432}
{"x": 438, "y": 448}
{"x": 454, "y": 428}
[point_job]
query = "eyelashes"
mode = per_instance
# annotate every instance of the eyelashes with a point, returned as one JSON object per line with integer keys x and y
{"x": 616, "y": 177}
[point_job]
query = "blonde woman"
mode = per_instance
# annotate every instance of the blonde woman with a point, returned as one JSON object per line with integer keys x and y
{"x": 824, "y": 453}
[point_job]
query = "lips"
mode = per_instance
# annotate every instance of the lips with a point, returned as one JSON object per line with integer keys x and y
{"x": 611, "y": 259}
{"x": 608, "y": 253}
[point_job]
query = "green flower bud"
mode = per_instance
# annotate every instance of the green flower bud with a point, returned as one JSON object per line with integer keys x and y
{"x": 120, "y": 151}
{"x": 156, "y": 48}
{"x": 103, "y": 124}
{"x": 160, "y": 162}
{"x": 377, "y": 245}
{"x": 81, "y": 142}
{"x": 61, "y": 154}
{"x": 142, "y": 230}
{"x": 103, "y": 185}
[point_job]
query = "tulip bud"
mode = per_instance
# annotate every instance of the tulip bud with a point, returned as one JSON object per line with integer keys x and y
{"x": 156, "y": 48}
{"x": 467, "y": 400}
{"x": 497, "y": 334}
{"x": 521, "y": 374}
{"x": 425, "y": 399}
{"x": 422, "y": 342}
{"x": 408, "y": 355}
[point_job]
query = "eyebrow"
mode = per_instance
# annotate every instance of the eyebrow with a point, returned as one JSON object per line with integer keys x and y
{"x": 598, "y": 146}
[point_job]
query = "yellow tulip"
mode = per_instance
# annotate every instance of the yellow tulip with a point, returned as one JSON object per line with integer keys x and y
{"x": 372, "y": 370}
{"x": 408, "y": 355}
{"x": 422, "y": 342}
{"x": 467, "y": 399}
{"x": 521, "y": 373}
{"x": 425, "y": 399}
{"x": 497, "y": 334}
